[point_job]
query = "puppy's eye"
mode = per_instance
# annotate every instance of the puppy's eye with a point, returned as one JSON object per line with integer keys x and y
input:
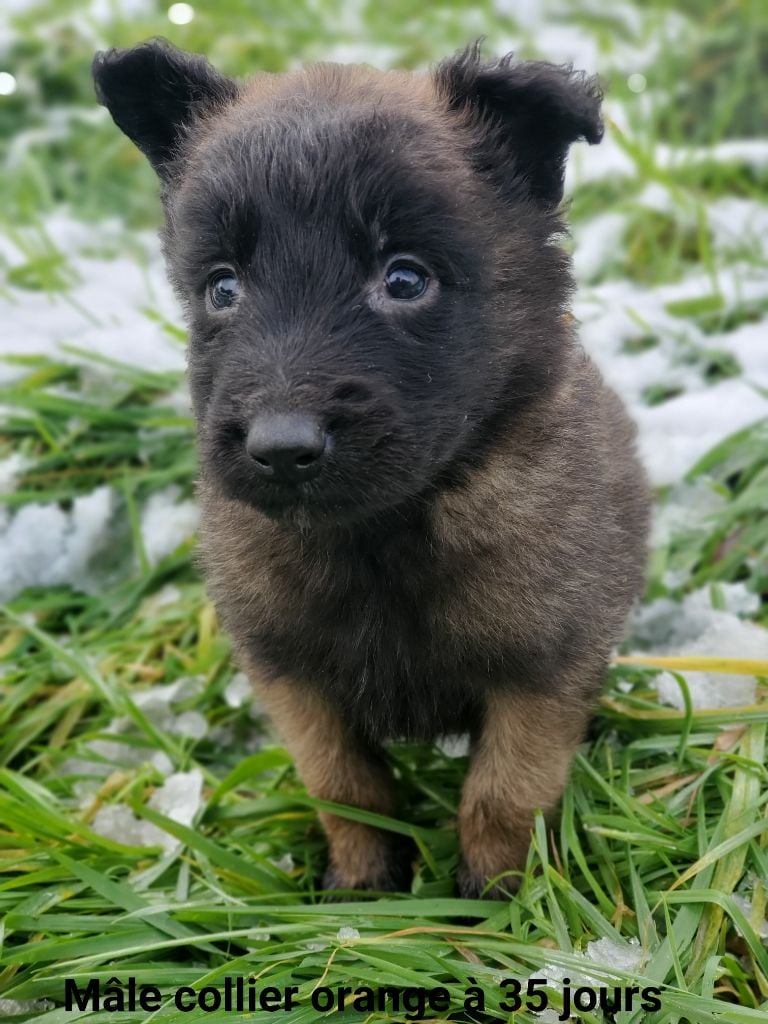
{"x": 223, "y": 289}
{"x": 405, "y": 281}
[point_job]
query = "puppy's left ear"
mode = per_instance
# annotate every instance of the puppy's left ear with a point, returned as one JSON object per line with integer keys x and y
{"x": 155, "y": 91}
{"x": 523, "y": 117}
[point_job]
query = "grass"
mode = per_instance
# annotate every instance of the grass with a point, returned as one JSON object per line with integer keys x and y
{"x": 664, "y": 825}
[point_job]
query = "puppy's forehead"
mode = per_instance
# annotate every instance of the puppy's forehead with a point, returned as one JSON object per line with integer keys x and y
{"x": 326, "y": 122}
{"x": 343, "y": 86}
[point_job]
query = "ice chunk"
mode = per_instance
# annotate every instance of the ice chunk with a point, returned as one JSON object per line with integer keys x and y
{"x": 624, "y": 956}
{"x": 695, "y": 627}
{"x": 285, "y": 863}
{"x": 191, "y": 724}
{"x": 238, "y": 690}
{"x": 42, "y": 545}
{"x": 11, "y": 469}
{"x": 729, "y": 637}
{"x": 17, "y": 1007}
{"x": 179, "y": 798}
{"x": 167, "y": 522}
{"x": 118, "y": 822}
{"x": 454, "y": 745}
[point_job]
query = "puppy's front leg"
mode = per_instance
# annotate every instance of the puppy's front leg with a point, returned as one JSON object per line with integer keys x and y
{"x": 336, "y": 764}
{"x": 519, "y": 762}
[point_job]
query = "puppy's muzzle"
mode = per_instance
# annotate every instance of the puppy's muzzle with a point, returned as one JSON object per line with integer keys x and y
{"x": 287, "y": 447}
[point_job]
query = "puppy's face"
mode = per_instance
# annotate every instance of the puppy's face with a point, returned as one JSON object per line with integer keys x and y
{"x": 366, "y": 261}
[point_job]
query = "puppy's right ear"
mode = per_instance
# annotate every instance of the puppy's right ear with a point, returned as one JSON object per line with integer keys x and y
{"x": 154, "y": 91}
{"x": 523, "y": 116}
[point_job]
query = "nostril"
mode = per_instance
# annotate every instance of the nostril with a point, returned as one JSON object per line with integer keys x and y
{"x": 307, "y": 458}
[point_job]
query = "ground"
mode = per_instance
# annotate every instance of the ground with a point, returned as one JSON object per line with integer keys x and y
{"x": 150, "y": 825}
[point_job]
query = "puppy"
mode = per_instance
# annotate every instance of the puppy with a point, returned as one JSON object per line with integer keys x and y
{"x": 422, "y": 508}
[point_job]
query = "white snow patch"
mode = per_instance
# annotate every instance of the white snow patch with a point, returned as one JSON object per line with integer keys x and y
{"x": 11, "y": 468}
{"x": 677, "y": 433}
{"x": 17, "y": 1007}
{"x": 688, "y": 507}
{"x": 454, "y": 745}
{"x": 608, "y": 954}
{"x": 238, "y": 690}
{"x": 179, "y": 798}
{"x": 166, "y": 522}
{"x": 736, "y": 222}
{"x": 105, "y": 310}
{"x": 749, "y": 345}
{"x": 191, "y": 725}
{"x": 696, "y": 628}
{"x": 596, "y": 243}
{"x": 285, "y": 863}
{"x": 157, "y": 702}
{"x": 625, "y": 956}
{"x": 42, "y": 545}
{"x": 167, "y": 595}
{"x": 118, "y": 752}
{"x": 609, "y": 160}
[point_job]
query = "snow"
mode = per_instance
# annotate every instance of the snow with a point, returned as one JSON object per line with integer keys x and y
{"x": 157, "y": 703}
{"x": 11, "y": 468}
{"x": 42, "y": 545}
{"x": 238, "y": 690}
{"x": 106, "y": 308}
{"x": 17, "y": 1007}
{"x": 609, "y": 161}
{"x": 677, "y": 433}
{"x": 166, "y": 522}
{"x": 598, "y": 241}
{"x": 454, "y": 745}
{"x": 117, "y": 752}
{"x": 179, "y": 798}
{"x": 621, "y": 955}
{"x": 674, "y": 433}
{"x": 695, "y": 627}
{"x": 285, "y": 863}
{"x": 689, "y": 506}
{"x": 612, "y": 956}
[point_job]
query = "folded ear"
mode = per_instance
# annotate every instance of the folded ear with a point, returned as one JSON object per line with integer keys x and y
{"x": 523, "y": 117}
{"x": 154, "y": 91}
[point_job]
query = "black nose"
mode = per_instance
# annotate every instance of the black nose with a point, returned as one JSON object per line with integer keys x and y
{"x": 287, "y": 447}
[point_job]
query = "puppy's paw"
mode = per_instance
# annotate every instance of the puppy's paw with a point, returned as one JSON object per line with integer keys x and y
{"x": 389, "y": 870}
{"x": 475, "y": 885}
{"x": 494, "y": 849}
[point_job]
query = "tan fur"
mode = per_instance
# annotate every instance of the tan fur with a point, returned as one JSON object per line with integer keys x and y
{"x": 519, "y": 763}
{"x": 334, "y": 766}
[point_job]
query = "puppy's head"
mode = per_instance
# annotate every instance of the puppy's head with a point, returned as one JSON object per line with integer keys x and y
{"x": 368, "y": 262}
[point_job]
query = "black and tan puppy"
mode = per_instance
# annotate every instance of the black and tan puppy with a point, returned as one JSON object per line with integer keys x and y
{"x": 422, "y": 510}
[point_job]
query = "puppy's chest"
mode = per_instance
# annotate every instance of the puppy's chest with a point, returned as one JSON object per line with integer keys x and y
{"x": 369, "y": 628}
